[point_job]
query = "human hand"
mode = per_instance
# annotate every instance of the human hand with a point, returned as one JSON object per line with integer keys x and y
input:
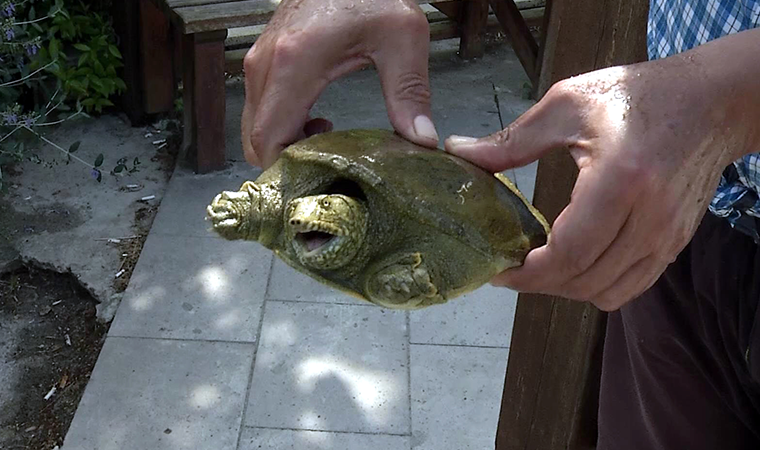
{"x": 650, "y": 143}
{"x": 310, "y": 43}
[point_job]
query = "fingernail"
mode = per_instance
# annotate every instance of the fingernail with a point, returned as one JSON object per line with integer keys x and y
{"x": 455, "y": 140}
{"x": 424, "y": 127}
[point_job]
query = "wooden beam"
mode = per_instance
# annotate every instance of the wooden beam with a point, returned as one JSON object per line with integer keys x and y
{"x": 523, "y": 43}
{"x": 473, "y": 25}
{"x": 452, "y": 9}
{"x": 126, "y": 24}
{"x": 204, "y": 100}
{"x": 552, "y": 381}
{"x": 156, "y": 51}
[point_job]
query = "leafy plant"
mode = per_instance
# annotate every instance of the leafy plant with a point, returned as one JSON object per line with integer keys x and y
{"x": 84, "y": 57}
{"x": 49, "y": 65}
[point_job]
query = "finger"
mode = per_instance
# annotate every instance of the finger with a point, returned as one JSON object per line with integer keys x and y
{"x": 403, "y": 71}
{"x": 285, "y": 102}
{"x": 551, "y": 123}
{"x": 256, "y": 70}
{"x": 599, "y": 206}
{"x": 626, "y": 250}
{"x": 640, "y": 277}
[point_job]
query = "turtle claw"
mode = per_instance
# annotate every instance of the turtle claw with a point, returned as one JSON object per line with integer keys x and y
{"x": 226, "y": 214}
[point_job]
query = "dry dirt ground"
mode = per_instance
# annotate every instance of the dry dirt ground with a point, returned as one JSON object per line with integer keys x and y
{"x": 53, "y": 221}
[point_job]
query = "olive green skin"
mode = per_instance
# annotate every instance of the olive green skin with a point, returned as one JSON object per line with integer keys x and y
{"x": 438, "y": 225}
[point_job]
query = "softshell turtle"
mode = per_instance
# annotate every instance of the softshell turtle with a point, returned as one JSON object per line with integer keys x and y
{"x": 372, "y": 214}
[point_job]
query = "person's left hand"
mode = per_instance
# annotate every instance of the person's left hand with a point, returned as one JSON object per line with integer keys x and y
{"x": 650, "y": 142}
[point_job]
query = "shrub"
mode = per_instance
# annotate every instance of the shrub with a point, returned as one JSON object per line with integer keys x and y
{"x": 57, "y": 61}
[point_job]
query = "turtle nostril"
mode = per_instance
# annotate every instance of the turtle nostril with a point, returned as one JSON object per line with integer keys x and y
{"x": 295, "y": 222}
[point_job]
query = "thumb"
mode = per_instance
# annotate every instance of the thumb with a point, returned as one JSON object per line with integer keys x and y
{"x": 403, "y": 72}
{"x": 546, "y": 126}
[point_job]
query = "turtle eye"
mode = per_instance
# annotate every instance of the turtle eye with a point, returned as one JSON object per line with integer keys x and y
{"x": 326, "y": 203}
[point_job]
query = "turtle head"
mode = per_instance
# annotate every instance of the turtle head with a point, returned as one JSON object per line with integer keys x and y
{"x": 240, "y": 214}
{"x": 326, "y": 231}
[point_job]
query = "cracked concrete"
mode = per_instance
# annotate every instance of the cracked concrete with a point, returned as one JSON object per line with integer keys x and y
{"x": 57, "y": 216}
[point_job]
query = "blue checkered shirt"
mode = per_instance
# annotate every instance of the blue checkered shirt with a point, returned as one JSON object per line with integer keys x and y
{"x": 679, "y": 25}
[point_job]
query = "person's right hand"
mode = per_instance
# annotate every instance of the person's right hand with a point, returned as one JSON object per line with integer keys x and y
{"x": 308, "y": 44}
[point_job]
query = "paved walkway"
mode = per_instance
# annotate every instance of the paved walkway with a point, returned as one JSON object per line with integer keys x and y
{"x": 217, "y": 345}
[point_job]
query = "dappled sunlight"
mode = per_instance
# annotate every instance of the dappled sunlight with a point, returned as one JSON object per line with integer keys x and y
{"x": 312, "y": 420}
{"x": 205, "y": 396}
{"x": 278, "y": 335}
{"x": 147, "y": 298}
{"x": 214, "y": 283}
{"x": 368, "y": 388}
{"x": 229, "y": 319}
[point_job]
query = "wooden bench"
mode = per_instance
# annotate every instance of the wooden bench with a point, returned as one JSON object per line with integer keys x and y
{"x": 194, "y": 32}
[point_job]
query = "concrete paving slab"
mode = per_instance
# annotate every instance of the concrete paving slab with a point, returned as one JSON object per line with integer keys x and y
{"x": 483, "y": 317}
{"x": 456, "y": 396}
{"x": 195, "y": 288}
{"x": 183, "y": 210}
{"x": 163, "y": 395}
{"x": 271, "y": 439}
{"x": 327, "y": 367}
{"x": 525, "y": 179}
{"x": 289, "y": 284}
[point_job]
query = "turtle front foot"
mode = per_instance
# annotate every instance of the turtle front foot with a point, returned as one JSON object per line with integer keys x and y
{"x": 405, "y": 284}
{"x": 229, "y": 213}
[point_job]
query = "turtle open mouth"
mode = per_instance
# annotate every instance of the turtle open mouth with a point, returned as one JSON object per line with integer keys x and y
{"x": 315, "y": 240}
{"x": 325, "y": 231}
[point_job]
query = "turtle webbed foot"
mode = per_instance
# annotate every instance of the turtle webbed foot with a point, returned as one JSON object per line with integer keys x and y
{"x": 406, "y": 284}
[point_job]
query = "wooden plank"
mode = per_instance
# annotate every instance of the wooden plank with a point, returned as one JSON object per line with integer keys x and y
{"x": 183, "y": 3}
{"x": 210, "y": 15}
{"x": 439, "y": 30}
{"x": 156, "y": 59}
{"x": 473, "y": 24}
{"x": 552, "y": 380}
{"x": 611, "y": 23}
{"x": 523, "y": 43}
{"x": 204, "y": 100}
{"x": 452, "y": 9}
{"x": 197, "y": 19}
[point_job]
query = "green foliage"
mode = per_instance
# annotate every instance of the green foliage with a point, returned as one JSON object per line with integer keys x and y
{"x": 82, "y": 53}
{"x": 54, "y": 56}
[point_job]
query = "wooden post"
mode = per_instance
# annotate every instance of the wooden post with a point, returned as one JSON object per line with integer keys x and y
{"x": 145, "y": 45}
{"x": 473, "y": 26}
{"x": 203, "y": 100}
{"x": 552, "y": 381}
{"x": 156, "y": 59}
{"x": 523, "y": 43}
{"x": 126, "y": 24}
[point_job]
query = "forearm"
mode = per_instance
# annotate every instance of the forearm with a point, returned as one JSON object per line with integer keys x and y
{"x": 731, "y": 70}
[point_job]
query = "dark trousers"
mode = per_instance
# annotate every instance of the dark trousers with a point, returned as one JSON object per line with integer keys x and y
{"x": 681, "y": 364}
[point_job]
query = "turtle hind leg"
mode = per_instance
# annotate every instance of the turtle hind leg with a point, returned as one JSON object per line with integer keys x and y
{"x": 403, "y": 283}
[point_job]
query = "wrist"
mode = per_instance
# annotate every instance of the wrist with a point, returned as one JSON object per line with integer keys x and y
{"x": 728, "y": 76}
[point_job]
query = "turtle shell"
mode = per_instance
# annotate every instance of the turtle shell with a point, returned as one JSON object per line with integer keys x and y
{"x": 427, "y": 187}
